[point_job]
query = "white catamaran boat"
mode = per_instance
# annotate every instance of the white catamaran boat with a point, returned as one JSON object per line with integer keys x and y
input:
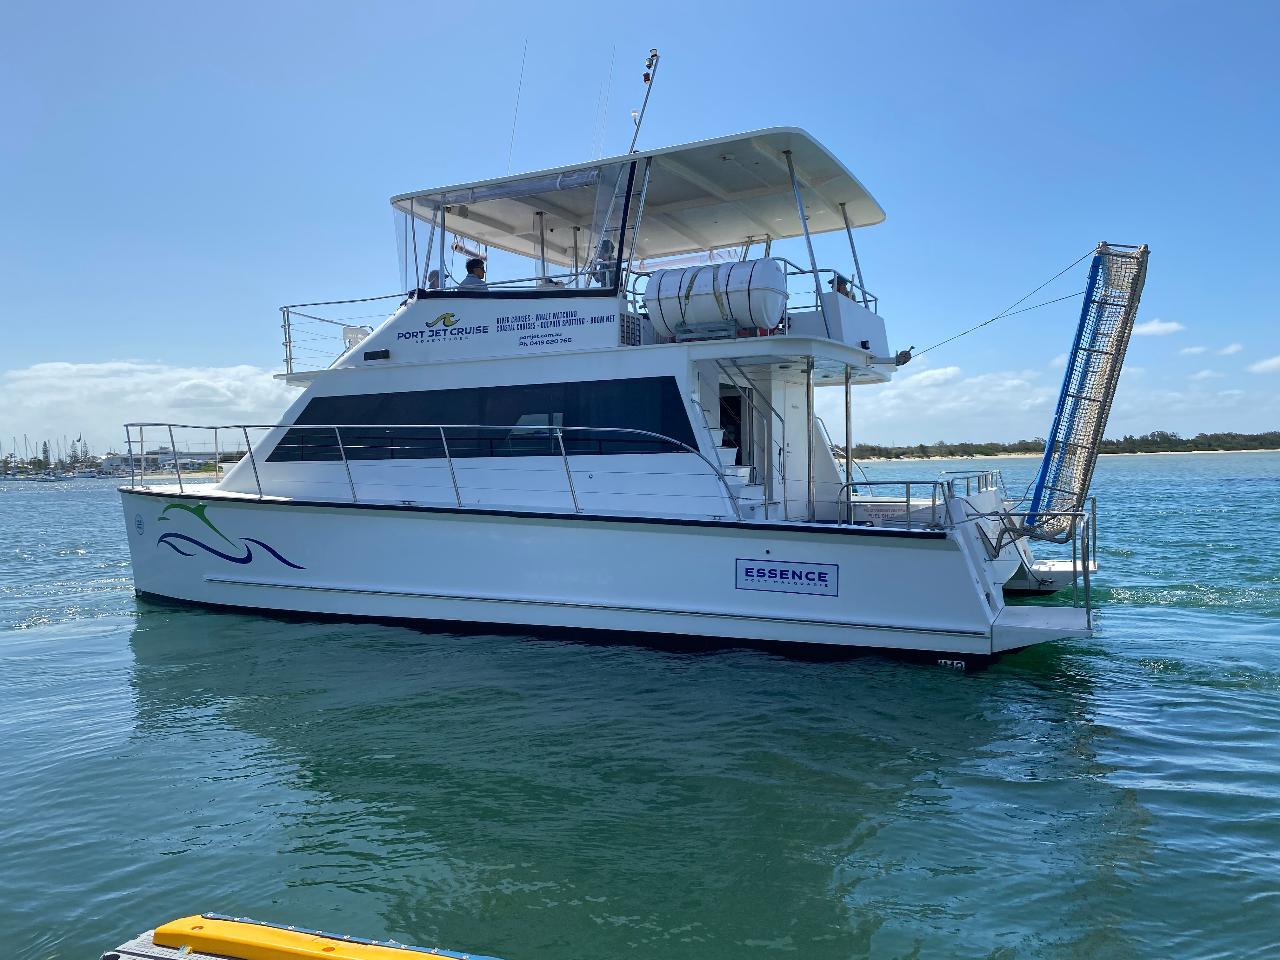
{"x": 626, "y": 439}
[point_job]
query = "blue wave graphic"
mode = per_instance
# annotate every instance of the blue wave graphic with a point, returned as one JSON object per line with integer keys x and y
{"x": 168, "y": 539}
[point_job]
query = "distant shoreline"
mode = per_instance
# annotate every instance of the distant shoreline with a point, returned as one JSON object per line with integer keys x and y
{"x": 1037, "y": 456}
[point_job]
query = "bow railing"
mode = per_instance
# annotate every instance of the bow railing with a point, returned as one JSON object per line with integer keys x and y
{"x": 359, "y": 444}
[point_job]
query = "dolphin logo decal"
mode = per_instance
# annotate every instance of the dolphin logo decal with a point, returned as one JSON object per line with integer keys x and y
{"x": 244, "y": 553}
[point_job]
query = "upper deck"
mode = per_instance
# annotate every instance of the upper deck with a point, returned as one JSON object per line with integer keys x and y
{"x": 572, "y": 259}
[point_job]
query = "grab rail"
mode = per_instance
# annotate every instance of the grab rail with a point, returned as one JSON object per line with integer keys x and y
{"x": 556, "y": 433}
{"x": 1082, "y": 529}
{"x": 984, "y": 479}
{"x": 775, "y": 472}
{"x": 936, "y": 487}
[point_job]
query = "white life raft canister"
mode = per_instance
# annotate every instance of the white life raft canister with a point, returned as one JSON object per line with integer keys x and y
{"x": 750, "y": 295}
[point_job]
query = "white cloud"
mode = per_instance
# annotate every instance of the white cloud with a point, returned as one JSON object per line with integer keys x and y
{"x": 1229, "y": 349}
{"x": 50, "y": 400}
{"x": 1059, "y": 362}
{"x": 1269, "y": 365}
{"x": 1193, "y": 350}
{"x": 1157, "y": 328}
{"x": 1206, "y": 375}
{"x": 945, "y": 404}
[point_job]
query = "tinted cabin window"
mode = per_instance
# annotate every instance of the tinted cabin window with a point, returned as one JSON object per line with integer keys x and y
{"x": 652, "y": 404}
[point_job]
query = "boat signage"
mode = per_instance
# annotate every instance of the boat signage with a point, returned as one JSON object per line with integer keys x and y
{"x": 476, "y": 328}
{"x": 784, "y": 576}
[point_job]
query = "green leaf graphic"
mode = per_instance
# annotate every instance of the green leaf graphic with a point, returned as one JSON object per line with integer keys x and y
{"x": 198, "y": 512}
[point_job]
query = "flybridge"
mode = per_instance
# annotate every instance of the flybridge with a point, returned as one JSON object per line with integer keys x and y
{"x": 597, "y": 255}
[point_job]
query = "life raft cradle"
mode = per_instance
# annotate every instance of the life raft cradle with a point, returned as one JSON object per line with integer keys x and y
{"x": 239, "y": 938}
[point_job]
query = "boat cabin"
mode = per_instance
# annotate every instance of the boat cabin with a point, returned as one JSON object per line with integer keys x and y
{"x": 659, "y": 318}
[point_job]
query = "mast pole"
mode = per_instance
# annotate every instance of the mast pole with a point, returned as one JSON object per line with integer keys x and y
{"x": 650, "y": 74}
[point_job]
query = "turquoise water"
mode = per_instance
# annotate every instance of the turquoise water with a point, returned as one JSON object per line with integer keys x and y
{"x": 1118, "y": 797}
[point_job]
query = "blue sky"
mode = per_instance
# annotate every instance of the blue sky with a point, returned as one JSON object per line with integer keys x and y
{"x": 172, "y": 173}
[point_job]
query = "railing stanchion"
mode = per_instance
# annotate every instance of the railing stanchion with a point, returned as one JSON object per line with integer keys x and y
{"x": 142, "y": 451}
{"x": 253, "y": 461}
{"x": 457, "y": 493}
{"x": 1075, "y": 566}
{"x": 1088, "y": 586}
{"x": 908, "y": 484}
{"x": 173, "y": 450}
{"x": 288, "y": 340}
{"x": 342, "y": 451}
{"x": 1093, "y": 525}
{"x": 567, "y": 472}
{"x": 217, "y": 458}
{"x": 933, "y": 506}
{"x": 128, "y": 450}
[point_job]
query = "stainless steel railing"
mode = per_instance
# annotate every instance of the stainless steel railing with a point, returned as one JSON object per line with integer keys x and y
{"x": 939, "y": 502}
{"x": 556, "y": 434}
{"x": 1082, "y": 530}
{"x": 774, "y": 473}
{"x": 975, "y": 481}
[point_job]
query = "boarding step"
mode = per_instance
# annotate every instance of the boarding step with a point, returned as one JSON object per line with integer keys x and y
{"x": 1047, "y": 576}
{"x": 727, "y": 455}
{"x": 717, "y": 436}
{"x": 736, "y": 475}
{"x": 751, "y": 501}
{"x": 1017, "y": 627}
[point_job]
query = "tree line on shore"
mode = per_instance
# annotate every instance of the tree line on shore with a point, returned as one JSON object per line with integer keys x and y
{"x": 1157, "y": 441}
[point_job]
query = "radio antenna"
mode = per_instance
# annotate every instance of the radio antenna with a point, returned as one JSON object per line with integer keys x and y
{"x": 515, "y": 114}
{"x": 637, "y": 117}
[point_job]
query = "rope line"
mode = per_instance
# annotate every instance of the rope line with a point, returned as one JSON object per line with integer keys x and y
{"x": 1009, "y": 311}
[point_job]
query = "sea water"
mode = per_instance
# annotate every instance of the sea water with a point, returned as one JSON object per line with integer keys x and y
{"x": 555, "y": 799}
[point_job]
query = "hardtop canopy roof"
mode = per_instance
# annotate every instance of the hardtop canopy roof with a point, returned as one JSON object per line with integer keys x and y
{"x": 702, "y": 196}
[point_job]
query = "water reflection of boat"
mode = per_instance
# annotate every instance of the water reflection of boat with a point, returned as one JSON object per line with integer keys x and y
{"x": 493, "y": 792}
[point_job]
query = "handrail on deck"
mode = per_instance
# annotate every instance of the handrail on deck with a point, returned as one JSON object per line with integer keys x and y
{"x": 845, "y": 496}
{"x": 550, "y": 431}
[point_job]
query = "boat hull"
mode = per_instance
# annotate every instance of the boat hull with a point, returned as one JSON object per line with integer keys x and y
{"x": 793, "y": 583}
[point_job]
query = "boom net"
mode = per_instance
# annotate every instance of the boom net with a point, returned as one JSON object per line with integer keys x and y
{"x": 1093, "y": 370}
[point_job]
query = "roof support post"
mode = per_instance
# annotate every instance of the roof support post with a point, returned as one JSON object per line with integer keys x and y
{"x": 848, "y": 440}
{"x": 622, "y": 227}
{"x": 542, "y": 244}
{"x": 813, "y": 263}
{"x": 857, "y": 267}
{"x": 442, "y": 239}
{"x": 811, "y": 482}
{"x": 576, "y": 268}
{"x": 431, "y": 239}
{"x": 625, "y": 280}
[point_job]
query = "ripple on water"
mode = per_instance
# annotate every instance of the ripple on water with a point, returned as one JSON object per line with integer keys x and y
{"x": 1115, "y": 797}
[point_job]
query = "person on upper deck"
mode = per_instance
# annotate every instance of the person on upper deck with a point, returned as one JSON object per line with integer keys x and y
{"x": 474, "y": 280}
